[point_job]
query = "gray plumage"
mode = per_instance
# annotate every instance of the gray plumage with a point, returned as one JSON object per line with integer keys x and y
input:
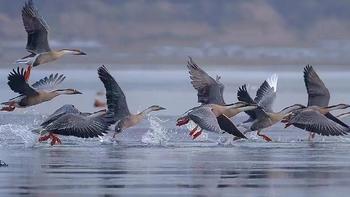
{"x": 210, "y": 91}
{"x": 318, "y": 94}
{"x": 80, "y": 125}
{"x": 265, "y": 97}
{"x": 49, "y": 83}
{"x": 65, "y": 109}
{"x": 266, "y": 94}
{"x": 69, "y": 121}
{"x": 116, "y": 100}
{"x": 36, "y": 28}
{"x": 266, "y": 119}
{"x": 261, "y": 121}
{"x": 313, "y": 121}
{"x": 205, "y": 118}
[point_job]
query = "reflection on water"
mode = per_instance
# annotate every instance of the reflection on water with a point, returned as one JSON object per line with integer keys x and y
{"x": 158, "y": 159}
{"x": 225, "y": 171}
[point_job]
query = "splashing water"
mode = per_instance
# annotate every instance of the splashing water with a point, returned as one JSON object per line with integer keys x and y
{"x": 157, "y": 134}
{"x": 9, "y": 132}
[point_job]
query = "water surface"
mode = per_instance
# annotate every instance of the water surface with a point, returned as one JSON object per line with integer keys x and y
{"x": 158, "y": 159}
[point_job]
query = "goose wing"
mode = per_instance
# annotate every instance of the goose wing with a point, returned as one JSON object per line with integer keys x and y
{"x": 227, "y": 125}
{"x": 210, "y": 91}
{"x": 205, "y": 119}
{"x": 36, "y": 28}
{"x": 18, "y": 84}
{"x": 266, "y": 94}
{"x": 49, "y": 83}
{"x": 318, "y": 94}
{"x": 116, "y": 100}
{"x": 243, "y": 95}
{"x": 314, "y": 121}
{"x": 78, "y": 125}
{"x": 65, "y": 109}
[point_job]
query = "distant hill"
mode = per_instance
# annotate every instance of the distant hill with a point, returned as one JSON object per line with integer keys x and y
{"x": 222, "y": 32}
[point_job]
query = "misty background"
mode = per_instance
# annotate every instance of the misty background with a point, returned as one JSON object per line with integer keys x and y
{"x": 152, "y": 34}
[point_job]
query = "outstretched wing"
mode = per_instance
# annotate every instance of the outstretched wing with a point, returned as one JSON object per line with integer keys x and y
{"x": 18, "y": 84}
{"x": 314, "y": 121}
{"x": 49, "y": 83}
{"x": 36, "y": 28}
{"x": 116, "y": 100}
{"x": 210, "y": 91}
{"x": 243, "y": 95}
{"x": 266, "y": 94}
{"x": 65, "y": 109}
{"x": 318, "y": 94}
{"x": 81, "y": 126}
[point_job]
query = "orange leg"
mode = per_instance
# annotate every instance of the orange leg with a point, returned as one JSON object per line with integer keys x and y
{"x": 197, "y": 134}
{"x": 54, "y": 139}
{"x": 193, "y": 130}
{"x": 44, "y": 138}
{"x": 27, "y": 72}
{"x": 9, "y": 108}
{"x": 265, "y": 137}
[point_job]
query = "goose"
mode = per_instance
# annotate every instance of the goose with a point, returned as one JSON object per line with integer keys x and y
{"x": 37, "y": 40}
{"x": 116, "y": 102}
{"x": 211, "y": 117}
{"x": 41, "y": 91}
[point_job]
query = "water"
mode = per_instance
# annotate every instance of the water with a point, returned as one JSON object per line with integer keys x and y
{"x": 156, "y": 158}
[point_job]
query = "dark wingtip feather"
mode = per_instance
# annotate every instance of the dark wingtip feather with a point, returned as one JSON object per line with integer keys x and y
{"x": 16, "y": 75}
{"x": 243, "y": 95}
{"x": 307, "y": 70}
{"x": 102, "y": 71}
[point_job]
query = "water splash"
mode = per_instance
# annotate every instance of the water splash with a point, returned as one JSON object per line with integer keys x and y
{"x": 157, "y": 134}
{"x": 9, "y": 134}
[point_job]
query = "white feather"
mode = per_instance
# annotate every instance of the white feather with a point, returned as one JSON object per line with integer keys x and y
{"x": 272, "y": 81}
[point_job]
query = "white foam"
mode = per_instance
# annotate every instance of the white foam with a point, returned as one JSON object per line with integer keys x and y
{"x": 11, "y": 131}
{"x": 156, "y": 134}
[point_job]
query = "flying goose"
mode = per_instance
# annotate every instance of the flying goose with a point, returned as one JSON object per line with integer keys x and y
{"x": 39, "y": 92}
{"x": 116, "y": 103}
{"x": 37, "y": 40}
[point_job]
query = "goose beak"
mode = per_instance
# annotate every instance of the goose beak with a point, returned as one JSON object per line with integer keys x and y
{"x": 77, "y": 92}
{"x": 161, "y": 108}
{"x": 81, "y": 53}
